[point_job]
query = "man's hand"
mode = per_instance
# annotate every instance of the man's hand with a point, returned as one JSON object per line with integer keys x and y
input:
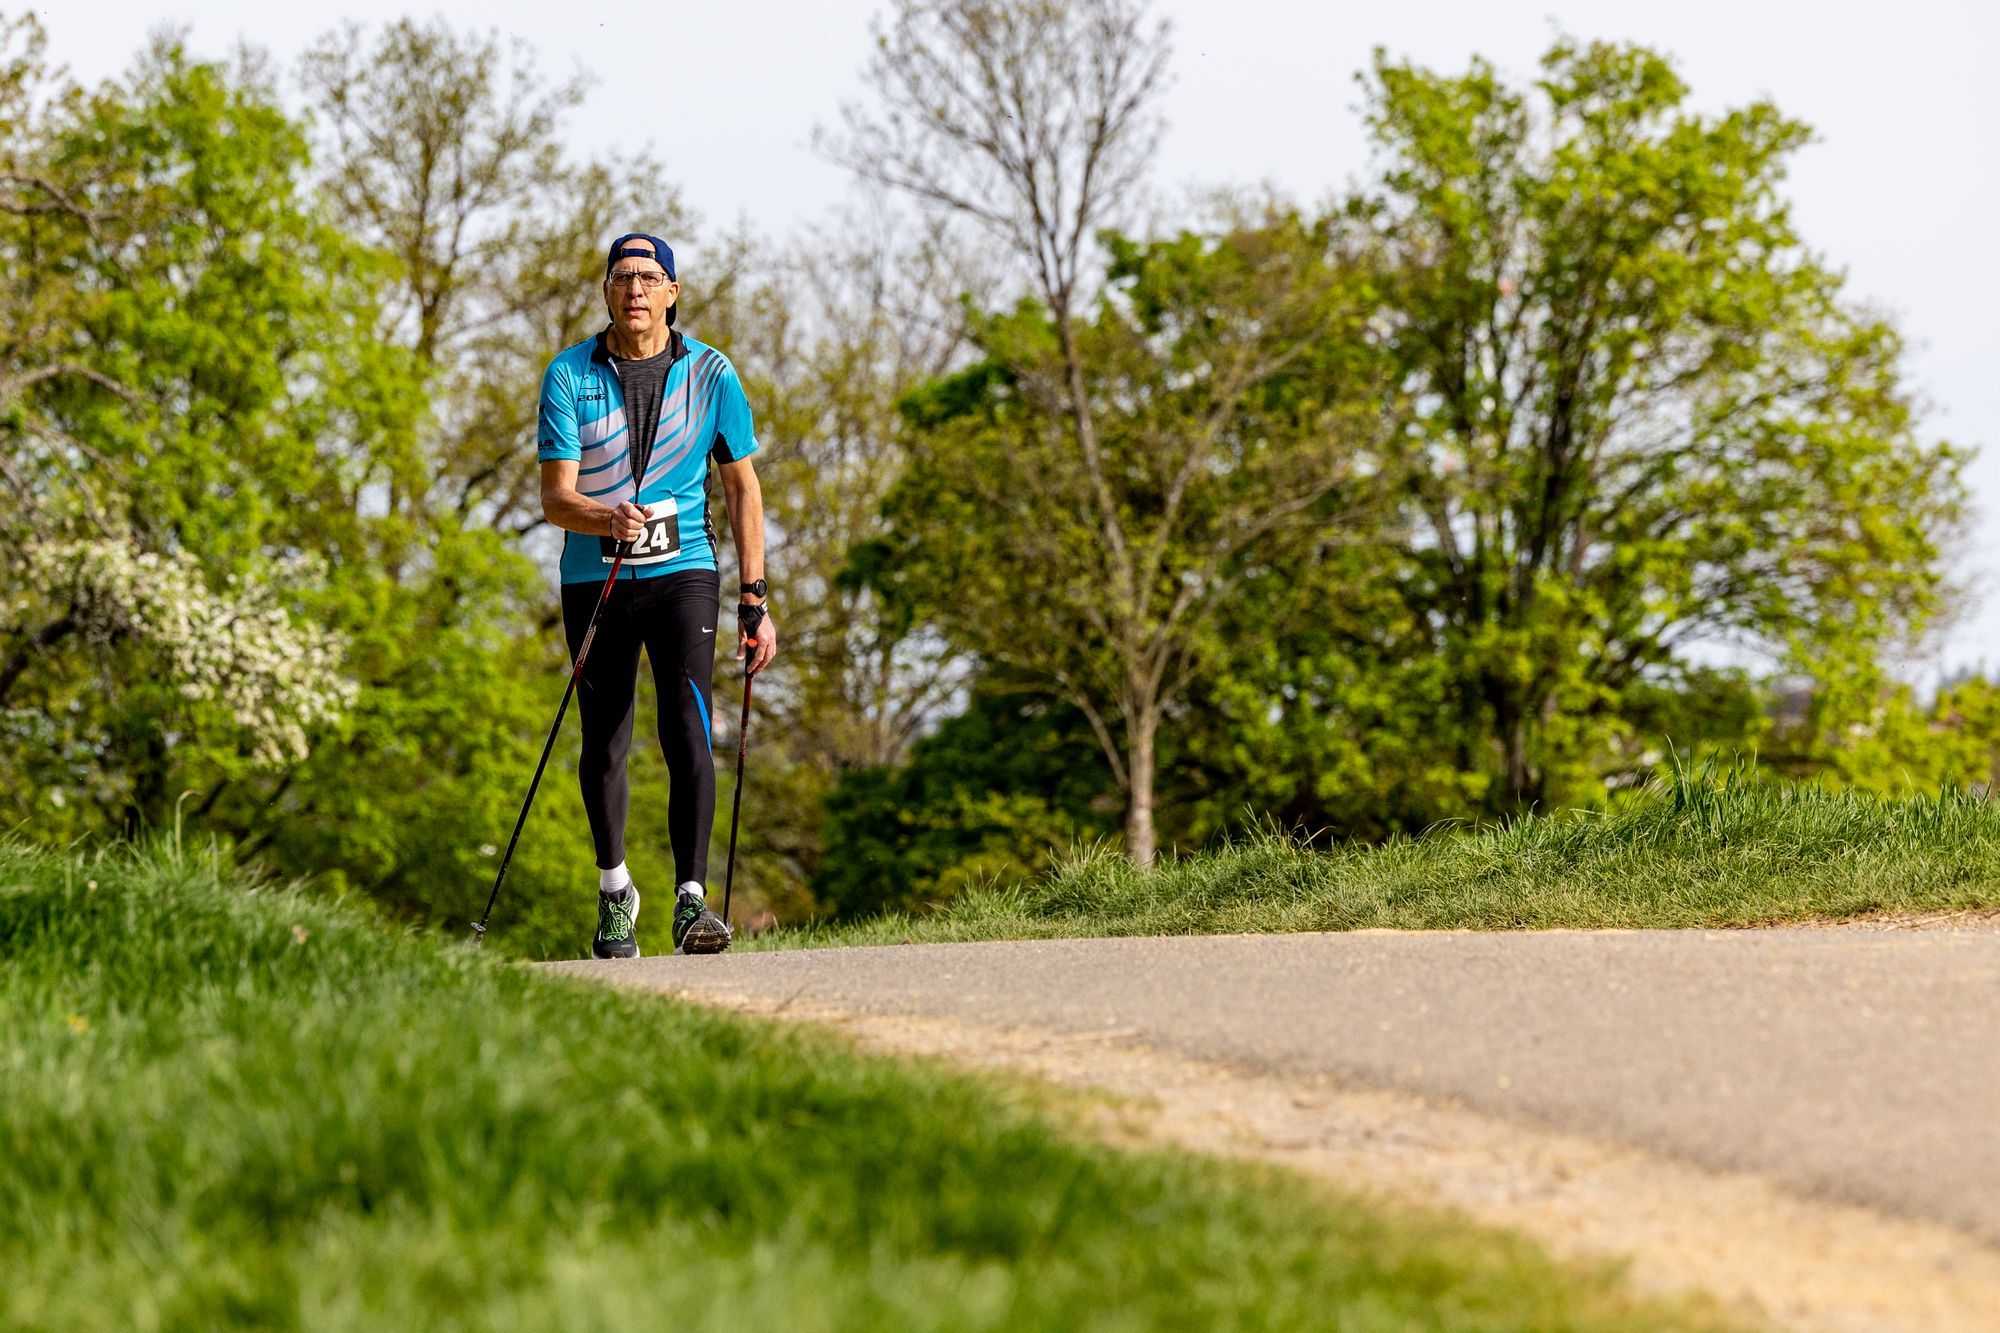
{"x": 628, "y": 520}
{"x": 754, "y": 627}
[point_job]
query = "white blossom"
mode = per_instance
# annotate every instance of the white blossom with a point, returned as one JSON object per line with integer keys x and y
{"x": 273, "y": 675}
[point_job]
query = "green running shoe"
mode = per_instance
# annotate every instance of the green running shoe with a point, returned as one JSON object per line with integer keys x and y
{"x": 617, "y": 926}
{"x": 696, "y": 929}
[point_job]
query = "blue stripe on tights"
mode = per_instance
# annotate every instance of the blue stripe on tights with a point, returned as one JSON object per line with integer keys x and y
{"x": 707, "y": 728}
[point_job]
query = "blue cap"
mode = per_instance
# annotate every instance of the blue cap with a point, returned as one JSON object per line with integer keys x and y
{"x": 661, "y": 251}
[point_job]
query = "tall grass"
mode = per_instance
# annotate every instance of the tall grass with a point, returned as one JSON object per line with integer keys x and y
{"x": 1712, "y": 847}
{"x": 231, "y": 1104}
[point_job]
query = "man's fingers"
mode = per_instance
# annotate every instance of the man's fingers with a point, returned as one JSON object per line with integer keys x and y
{"x": 628, "y": 520}
{"x": 765, "y": 648}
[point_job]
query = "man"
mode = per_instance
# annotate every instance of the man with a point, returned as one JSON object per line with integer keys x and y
{"x": 630, "y": 420}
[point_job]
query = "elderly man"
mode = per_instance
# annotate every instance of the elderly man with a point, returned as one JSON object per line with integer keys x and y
{"x": 630, "y": 420}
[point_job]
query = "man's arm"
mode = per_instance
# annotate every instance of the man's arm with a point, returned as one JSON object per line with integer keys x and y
{"x": 568, "y": 508}
{"x": 745, "y": 499}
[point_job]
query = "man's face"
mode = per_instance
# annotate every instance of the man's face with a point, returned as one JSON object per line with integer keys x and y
{"x": 637, "y": 308}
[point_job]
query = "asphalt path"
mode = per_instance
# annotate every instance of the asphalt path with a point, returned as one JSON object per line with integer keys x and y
{"x": 1857, "y": 1066}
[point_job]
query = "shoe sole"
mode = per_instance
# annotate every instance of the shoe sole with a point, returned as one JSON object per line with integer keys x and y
{"x": 701, "y": 939}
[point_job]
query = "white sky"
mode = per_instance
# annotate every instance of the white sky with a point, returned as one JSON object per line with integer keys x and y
{"x": 1901, "y": 95}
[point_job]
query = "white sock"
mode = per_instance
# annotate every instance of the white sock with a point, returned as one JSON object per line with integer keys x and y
{"x": 694, "y": 887}
{"x": 614, "y": 879}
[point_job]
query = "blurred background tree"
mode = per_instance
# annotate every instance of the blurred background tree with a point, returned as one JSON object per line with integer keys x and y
{"x": 1641, "y": 415}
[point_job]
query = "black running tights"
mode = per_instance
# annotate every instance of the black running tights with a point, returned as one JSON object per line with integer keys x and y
{"x": 673, "y": 617}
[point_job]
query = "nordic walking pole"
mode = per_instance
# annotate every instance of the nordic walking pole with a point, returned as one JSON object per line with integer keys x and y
{"x": 736, "y": 803}
{"x": 575, "y": 673}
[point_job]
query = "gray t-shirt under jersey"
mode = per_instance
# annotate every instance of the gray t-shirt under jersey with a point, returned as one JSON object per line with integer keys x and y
{"x": 644, "y": 382}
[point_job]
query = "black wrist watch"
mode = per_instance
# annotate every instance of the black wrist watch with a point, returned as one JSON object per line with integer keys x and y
{"x": 755, "y": 588}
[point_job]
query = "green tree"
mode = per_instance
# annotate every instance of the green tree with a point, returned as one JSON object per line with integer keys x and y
{"x": 208, "y": 441}
{"x": 188, "y": 432}
{"x": 1034, "y": 124}
{"x": 1641, "y": 414}
{"x": 1896, "y": 742}
{"x": 988, "y": 797}
{"x": 1235, "y": 394}
{"x": 1327, "y": 712}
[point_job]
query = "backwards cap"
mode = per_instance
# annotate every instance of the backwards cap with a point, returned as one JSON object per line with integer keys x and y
{"x": 661, "y": 252}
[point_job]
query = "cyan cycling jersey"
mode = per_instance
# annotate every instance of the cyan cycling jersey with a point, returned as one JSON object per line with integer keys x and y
{"x": 703, "y": 414}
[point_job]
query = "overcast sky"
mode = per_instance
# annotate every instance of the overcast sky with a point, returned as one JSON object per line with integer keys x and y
{"x": 1894, "y": 190}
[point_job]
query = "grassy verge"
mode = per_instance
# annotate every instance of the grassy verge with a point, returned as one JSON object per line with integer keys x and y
{"x": 1712, "y": 848}
{"x": 229, "y": 1105}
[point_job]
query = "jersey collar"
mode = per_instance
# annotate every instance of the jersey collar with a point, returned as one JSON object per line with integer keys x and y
{"x": 600, "y": 351}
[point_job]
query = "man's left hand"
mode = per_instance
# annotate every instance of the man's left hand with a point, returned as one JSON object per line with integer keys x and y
{"x": 763, "y": 638}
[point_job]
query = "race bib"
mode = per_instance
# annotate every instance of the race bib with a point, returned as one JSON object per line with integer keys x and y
{"x": 659, "y": 540}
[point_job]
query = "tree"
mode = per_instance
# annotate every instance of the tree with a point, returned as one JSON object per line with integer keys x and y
{"x": 211, "y": 613}
{"x": 990, "y": 796}
{"x": 1235, "y": 392}
{"x": 187, "y": 416}
{"x": 1034, "y": 123}
{"x": 1640, "y": 415}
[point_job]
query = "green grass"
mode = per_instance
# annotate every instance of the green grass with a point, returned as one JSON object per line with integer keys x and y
{"x": 236, "y": 1105}
{"x": 1714, "y": 847}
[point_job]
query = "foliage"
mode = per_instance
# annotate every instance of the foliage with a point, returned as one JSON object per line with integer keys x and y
{"x": 226, "y": 432}
{"x": 1327, "y": 716}
{"x": 1426, "y": 507}
{"x": 1899, "y": 745}
{"x": 235, "y": 1105}
{"x": 1034, "y": 124}
{"x": 272, "y": 679}
{"x": 993, "y": 796}
{"x": 204, "y": 418}
{"x": 1230, "y": 391}
{"x": 1640, "y": 413}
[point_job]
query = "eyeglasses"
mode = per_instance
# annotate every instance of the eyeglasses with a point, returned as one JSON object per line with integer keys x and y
{"x": 652, "y": 282}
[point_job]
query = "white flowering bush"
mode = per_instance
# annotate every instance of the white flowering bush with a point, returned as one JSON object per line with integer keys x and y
{"x": 275, "y": 677}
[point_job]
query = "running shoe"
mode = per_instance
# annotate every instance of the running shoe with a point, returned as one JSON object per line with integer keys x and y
{"x": 617, "y": 926}
{"x": 696, "y": 929}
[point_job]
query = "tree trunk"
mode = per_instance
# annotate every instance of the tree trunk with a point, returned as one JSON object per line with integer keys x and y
{"x": 1139, "y": 839}
{"x": 1510, "y": 731}
{"x": 36, "y": 644}
{"x": 1521, "y": 796}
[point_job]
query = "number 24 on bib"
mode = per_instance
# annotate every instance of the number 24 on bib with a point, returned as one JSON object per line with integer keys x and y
{"x": 659, "y": 540}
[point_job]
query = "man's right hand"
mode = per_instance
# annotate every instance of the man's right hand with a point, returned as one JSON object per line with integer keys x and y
{"x": 628, "y": 520}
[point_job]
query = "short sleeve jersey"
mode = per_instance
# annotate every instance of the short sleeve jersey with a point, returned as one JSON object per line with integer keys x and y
{"x": 703, "y": 415}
